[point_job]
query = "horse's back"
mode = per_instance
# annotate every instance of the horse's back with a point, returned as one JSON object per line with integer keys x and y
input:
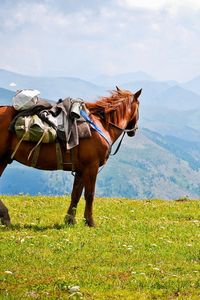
{"x": 7, "y": 113}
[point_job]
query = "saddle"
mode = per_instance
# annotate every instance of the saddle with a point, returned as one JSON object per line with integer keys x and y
{"x": 46, "y": 122}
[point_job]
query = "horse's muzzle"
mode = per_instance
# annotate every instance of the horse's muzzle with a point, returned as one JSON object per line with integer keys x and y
{"x": 131, "y": 133}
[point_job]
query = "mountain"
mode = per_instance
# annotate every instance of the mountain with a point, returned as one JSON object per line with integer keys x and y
{"x": 150, "y": 90}
{"x": 110, "y": 81}
{"x": 178, "y": 98}
{"x": 152, "y": 166}
{"x": 5, "y": 96}
{"x": 52, "y": 88}
{"x": 181, "y": 124}
{"x": 156, "y": 93}
{"x": 193, "y": 85}
{"x": 163, "y": 94}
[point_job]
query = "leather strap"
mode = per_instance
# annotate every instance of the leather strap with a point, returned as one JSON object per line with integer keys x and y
{"x": 59, "y": 157}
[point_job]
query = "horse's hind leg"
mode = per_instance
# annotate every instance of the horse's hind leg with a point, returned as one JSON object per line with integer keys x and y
{"x": 4, "y": 215}
{"x": 75, "y": 197}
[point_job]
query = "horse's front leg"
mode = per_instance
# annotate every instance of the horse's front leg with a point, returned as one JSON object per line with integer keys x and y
{"x": 75, "y": 197}
{"x": 4, "y": 215}
{"x": 90, "y": 175}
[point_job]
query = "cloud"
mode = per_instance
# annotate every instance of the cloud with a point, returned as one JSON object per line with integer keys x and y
{"x": 85, "y": 38}
{"x": 170, "y": 5}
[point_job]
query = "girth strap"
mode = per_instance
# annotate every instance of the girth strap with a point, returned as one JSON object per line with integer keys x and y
{"x": 35, "y": 156}
{"x": 59, "y": 157}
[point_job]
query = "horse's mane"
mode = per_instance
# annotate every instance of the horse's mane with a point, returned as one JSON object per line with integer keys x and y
{"x": 111, "y": 108}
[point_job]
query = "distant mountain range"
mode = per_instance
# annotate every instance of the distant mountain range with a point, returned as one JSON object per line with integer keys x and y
{"x": 193, "y": 85}
{"x": 6, "y": 96}
{"x": 162, "y": 161}
{"x": 52, "y": 88}
{"x": 110, "y": 81}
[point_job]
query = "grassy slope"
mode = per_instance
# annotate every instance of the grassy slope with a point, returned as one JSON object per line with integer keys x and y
{"x": 140, "y": 250}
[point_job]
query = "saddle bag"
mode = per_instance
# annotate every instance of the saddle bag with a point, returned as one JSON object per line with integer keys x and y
{"x": 33, "y": 129}
{"x": 25, "y": 99}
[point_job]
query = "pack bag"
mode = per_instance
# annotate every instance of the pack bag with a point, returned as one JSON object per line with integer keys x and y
{"x": 33, "y": 129}
{"x": 25, "y": 99}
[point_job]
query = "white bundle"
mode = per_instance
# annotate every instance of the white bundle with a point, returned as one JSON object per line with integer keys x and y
{"x": 24, "y": 99}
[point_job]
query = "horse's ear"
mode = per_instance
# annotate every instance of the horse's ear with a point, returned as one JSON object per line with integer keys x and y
{"x": 117, "y": 88}
{"x": 137, "y": 94}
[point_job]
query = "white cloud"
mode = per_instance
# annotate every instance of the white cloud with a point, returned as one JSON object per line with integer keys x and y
{"x": 159, "y": 37}
{"x": 12, "y": 84}
{"x": 172, "y": 5}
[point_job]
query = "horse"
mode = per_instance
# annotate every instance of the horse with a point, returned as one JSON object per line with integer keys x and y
{"x": 114, "y": 115}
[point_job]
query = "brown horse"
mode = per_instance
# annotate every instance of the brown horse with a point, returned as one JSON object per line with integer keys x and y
{"x": 113, "y": 115}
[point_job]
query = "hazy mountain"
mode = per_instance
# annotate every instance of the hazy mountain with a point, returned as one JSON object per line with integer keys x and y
{"x": 154, "y": 93}
{"x": 152, "y": 166}
{"x": 6, "y": 96}
{"x": 150, "y": 90}
{"x": 193, "y": 85}
{"x": 162, "y": 94}
{"x": 182, "y": 124}
{"x": 52, "y": 87}
{"x": 110, "y": 81}
{"x": 178, "y": 98}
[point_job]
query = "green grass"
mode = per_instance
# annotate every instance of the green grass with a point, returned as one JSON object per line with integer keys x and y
{"x": 139, "y": 250}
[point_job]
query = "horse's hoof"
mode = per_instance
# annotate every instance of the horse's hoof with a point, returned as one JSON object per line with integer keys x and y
{"x": 90, "y": 223}
{"x": 4, "y": 214}
{"x": 69, "y": 220}
{"x": 5, "y": 222}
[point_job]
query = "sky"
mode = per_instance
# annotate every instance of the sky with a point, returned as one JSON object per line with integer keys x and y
{"x": 86, "y": 38}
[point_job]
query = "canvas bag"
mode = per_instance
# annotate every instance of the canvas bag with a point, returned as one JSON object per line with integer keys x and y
{"x": 25, "y": 99}
{"x": 33, "y": 129}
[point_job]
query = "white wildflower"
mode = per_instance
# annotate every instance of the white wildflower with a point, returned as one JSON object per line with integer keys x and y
{"x": 8, "y": 272}
{"x": 169, "y": 242}
{"x": 156, "y": 269}
{"x": 74, "y": 289}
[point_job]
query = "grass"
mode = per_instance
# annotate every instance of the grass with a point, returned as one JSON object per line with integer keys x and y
{"x": 139, "y": 250}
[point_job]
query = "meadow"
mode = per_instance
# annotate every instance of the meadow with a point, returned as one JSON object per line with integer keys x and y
{"x": 139, "y": 250}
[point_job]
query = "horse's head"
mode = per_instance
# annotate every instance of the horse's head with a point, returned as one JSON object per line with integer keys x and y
{"x": 133, "y": 112}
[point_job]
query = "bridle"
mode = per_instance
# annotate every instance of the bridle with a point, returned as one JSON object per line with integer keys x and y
{"x": 124, "y": 130}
